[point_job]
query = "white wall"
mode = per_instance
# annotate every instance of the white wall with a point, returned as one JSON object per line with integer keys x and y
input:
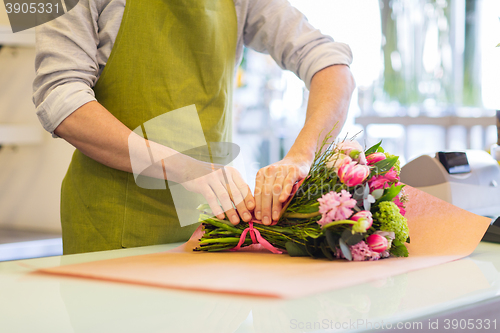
{"x": 30, "y": 175}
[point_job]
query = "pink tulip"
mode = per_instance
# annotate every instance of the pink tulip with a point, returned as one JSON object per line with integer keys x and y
{"x": 365, "y": 215}
{"x": 375, "y": 157}
{"x": 377, "y": 243}
{"x": 391, "y": 175}
{"x": 389, "y": 235}
{"x": 354, "y": 150}
{"x": 337, "y": 160}
{"x": 353, "y": 174}
{"x": 348, "y": 146}
{"x": 385, "y": 180}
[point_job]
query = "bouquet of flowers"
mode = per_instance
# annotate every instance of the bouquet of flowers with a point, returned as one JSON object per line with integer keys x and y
{"x": 350, "y": 206}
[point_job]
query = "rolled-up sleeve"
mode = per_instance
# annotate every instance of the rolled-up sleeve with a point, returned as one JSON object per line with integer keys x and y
{"x": 277, "y": 28}
{"x": 66, "y": 64}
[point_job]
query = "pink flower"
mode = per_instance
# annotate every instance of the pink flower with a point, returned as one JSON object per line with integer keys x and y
{"x": 389, "y": 235}
{"x": 375, "y": 157}
{"x": 362, "y": 251}
{"x": 337, "y": 160}
{"x": 364, "y": 214}
{"x": 391, "y": 175}
{"x": 383, "y": 181}
{"x": 400, "y": 205}
{"x": 364, "y": 219}
{"x": 377, "y": 243}
{"x": 352, "y": 174}
{"x": 335, "y": 207}
{"x": 354, "y": 150}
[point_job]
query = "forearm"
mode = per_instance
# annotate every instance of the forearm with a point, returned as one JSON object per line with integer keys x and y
{"x": 98, "y": 134}
{"x": 329, "y": 98}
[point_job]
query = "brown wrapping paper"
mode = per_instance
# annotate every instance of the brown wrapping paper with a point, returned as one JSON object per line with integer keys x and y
{"x": 439, "y": 233}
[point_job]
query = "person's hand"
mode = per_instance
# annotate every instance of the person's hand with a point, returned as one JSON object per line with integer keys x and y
{"x": 273, "y": 185}
{"x": 224, "y": 184}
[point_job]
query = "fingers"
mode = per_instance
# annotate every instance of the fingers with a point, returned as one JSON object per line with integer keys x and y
{"x": 211, "y": 198}
{"x": 273, "y": 186}
{"x": 276, "y": 194}
{"x": 288, "y": 183}
{"x": 245, "y": 192}
{"x": 259, "y": 181}
{"x": 267, "y": 193}
{"x": 224, "y": 198}
{"x": 239, "y": 201}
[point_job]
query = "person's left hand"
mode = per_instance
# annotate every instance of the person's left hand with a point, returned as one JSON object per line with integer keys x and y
{"x": 274, "y": 184}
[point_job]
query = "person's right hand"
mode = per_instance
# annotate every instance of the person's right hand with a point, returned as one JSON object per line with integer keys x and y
{"x": 224, "y": 185}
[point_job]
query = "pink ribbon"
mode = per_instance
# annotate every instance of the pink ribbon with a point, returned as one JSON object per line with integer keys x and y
{"x": 256, "y": 238}
{"x": 255, "y": 234}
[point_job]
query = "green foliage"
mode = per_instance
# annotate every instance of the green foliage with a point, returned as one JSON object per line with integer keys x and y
{"x": 345, "y": 250}
{"x": 390, "y": 219}
{"x": 398, "y": 249}
{"x": 373, "y": 149}
{"x": 295, "y": 250}
{"x": 352, "y": 239}
{"x": 308, "y": 209}
{"x": 383, "y": 166}
{"x": 397, "y": 165}
{"x": 332, "y": 239}
{"x": 326, "y": 251}
{"x": 390, "y": 193}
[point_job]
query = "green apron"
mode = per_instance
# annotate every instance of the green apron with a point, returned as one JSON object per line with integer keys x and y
{"x": 168, "y": 54}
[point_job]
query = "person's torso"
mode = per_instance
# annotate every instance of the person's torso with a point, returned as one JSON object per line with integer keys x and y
{"x": 167, "y": 55}
{"x": 109, "y": 13}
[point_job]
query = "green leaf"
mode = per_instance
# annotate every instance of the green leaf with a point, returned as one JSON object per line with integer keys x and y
{"x": 398, "y": 249}
{"x": 326, "y": 251}
{"x": 383, "y": 166}
{"x": 351, "y": 239}
{"x": 295, "y": 250}
{"x": 408, "y": 240}
{"x": 373, "y": 149}
{"x": 498, "y": 44}
{"x": 311, "y": 248}
{"x": 332, "y": 239}
{"x": 345, "y": 250}
{"x": 391, "y": 192}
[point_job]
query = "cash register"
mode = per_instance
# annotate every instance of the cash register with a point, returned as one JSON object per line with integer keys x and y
{"x": 469, "y": 180}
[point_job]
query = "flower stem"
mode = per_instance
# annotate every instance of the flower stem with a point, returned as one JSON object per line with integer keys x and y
{"x": 301, "y": 215}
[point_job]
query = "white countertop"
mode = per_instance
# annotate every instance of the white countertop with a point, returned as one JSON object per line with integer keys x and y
{"x": 43, "y": 303}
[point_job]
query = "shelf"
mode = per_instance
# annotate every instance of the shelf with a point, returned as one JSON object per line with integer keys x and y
{"x": 445, "y": 121}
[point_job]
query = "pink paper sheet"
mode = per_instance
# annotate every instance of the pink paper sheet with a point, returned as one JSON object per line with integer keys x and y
{"x": 439, "y": 232}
